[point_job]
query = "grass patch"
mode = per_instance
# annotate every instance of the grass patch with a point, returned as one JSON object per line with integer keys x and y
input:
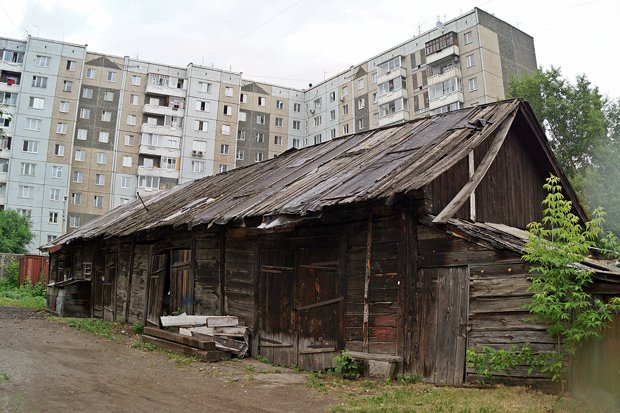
{"x": 139, "y": 344}
{"x": 181, "y": 360}
{"x": 98, "y": 327}
{"x": 26, "y": 296}
{"x": 37, "y": 303}
{"x": 5, "y": 376}
{"x": 262, "y": 359}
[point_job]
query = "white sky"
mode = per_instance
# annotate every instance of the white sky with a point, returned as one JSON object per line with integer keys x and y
{"x": 296, "y": 42}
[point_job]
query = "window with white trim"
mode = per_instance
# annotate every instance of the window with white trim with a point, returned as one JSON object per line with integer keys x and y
{"x": 61, "y": 128}
{"x": 127, "y": 161}
{"x": 97, "y": 201}
{"x": 82, "y": 134}
{"x": 228, "y": 91}
{"x": 99, "y": 179}
{"x": 102, "y": 158}
{"x": 56, "y": 171}
{"x": 80, "y": 155}
{"x": 76, "y": 198}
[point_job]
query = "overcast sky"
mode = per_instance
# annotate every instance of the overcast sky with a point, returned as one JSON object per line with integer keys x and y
{"x": 296, "y": 42}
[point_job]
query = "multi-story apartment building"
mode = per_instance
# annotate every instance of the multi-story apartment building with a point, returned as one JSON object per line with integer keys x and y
{"x": 86, "y": 132}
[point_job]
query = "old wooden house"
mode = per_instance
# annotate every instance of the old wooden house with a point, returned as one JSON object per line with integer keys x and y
{"x": 401, "y": 243}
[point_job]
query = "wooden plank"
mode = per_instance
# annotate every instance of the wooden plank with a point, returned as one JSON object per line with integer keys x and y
{"x": 320, "y": 304}
{"x": 237, "y": 347}
{"x": 179, "y": 338}
{"x": 367, "y": 281}
{"x": 211, "y": 356}
{"x": 457, "y": 202}
{"x": 317, "y": 350}
{"x": 222, "y": 321}
{"x": 374, "y": 356}
{"x": 183, "y": 320}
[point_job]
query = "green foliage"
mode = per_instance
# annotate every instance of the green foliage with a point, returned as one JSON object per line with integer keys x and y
{"x": 15, "y": 232}
{"x": 411, "y": 378}
{"x": 139, "y": 344}
{"x": 5, "y": 376}
{"x": 348, "y": 367}
{"x": 28, "y": 295}
{"x": 11, "y": 275}
{"x": 262, "y": 359}
{"x": 556, "y": 247}
{"x": 138, "y": 327}
{"x": 95, "y": 326}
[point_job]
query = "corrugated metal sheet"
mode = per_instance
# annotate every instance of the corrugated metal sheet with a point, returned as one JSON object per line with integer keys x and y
{"x": 374, "y": 165}
{"x": 33, "y": 267}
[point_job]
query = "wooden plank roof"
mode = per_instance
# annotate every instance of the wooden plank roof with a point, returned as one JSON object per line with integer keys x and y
{"x": 374, "y": 165}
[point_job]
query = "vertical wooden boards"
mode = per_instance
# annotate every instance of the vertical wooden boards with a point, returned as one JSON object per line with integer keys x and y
{"x": 240, "y": 278}
{"x": 207, "y": 268}
{"x": 138, "y": 291}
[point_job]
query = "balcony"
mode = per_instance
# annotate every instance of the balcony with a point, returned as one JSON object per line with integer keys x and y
{"x": 162, "y": 130}
{"x": 164, "y": 110}
{"x": 5, "y": 153}
{"x": 159, "y": 151}
{"x": 400, "y": 93}
{"x": 400, "y": 116}
{"x": 10, "y": 66}
{"x": 442, "y": 54}
{"x": 9, "y": 87}
{"x": 391, "y": 74}
{"x": 445, "y": 100}
{"x": 438, "y": 78}
{"x": 159, "y": 172}
{"x": 4, "y": 176}
{"x": 165, "y": 90}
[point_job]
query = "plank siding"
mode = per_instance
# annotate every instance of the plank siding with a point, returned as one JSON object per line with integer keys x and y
{"x": 207, "y": 267}
{"x": 240, "y": 264}
{"x": 446, "y": 186}
{"x": 140, "y": 268}
{"x": 122, "y": 281}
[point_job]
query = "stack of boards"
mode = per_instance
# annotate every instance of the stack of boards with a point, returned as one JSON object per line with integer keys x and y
{"x": 209, "y": 338}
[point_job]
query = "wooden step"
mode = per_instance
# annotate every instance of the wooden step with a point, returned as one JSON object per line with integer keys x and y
{"x": 197, "y": 342}
{"x": 210, "y": 356}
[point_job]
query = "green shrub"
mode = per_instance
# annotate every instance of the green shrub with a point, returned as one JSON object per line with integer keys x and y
{"x": 138, "y": 327}
{"x": 348, "y": 367}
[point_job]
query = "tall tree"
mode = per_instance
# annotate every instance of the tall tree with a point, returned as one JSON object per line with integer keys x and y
{"x": 15, "y": 232}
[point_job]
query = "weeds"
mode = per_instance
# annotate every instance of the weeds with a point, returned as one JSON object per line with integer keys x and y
{"x": 13, "y": 295}
{"x": 138, "y": 327}
{"x": 263, "y": 359}
{"x": 5, "y": 376}
{"x": 95, "y": 326}
{"x": 348, "y": 367}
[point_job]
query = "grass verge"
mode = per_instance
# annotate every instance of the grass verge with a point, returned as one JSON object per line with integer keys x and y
{"x": 95, "y": 326}
{"x": 37, "y": 303}
{"x": 181, "y": 360}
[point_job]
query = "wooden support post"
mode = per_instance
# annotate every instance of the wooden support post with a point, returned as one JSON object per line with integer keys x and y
{"x": 460, "y": 198}
{"x": 365, "y": 330}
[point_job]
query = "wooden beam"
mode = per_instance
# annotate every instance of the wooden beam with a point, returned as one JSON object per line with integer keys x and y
{"x": 460, "y": 198}
{"x": 365, "y": 329}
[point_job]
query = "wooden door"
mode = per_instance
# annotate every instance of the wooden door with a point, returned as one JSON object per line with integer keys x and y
{"x": 98, "y": 278}
{"x": 277, "y": 336}
{"x": 181, "y": 283}
{"x": 157, "y": 278}
{"x": 440, "y": 339}
{"x": 319, "y": 306}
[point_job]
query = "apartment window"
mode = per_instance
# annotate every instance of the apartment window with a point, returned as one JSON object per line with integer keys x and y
{"x": 260, "y": 119}
{"x": 361, "y": 103}
{"x": 104, "y": 137}
{"x": 108, "y": 96}
{"x": 259, "y": 157}
{"x": 76, "y": 198}
{"x": 80, "y": 155}
{"x": 296, "y": 124}
{"x": 70, "y": 66}
{"x": 61, "y": 128}
{"x": 394, "y": 106}
{"x": 54, "y": 194}
{"x": 84, "y": 113}
{"x": 360, "y": 84}
{"x": 202, "y": 106}
{"x": 243, "y": 98}
{"x": 53, "y": 218}
{"x": 345, "y": 109}
{"x": 127, "y": 161}
{"x": 131, "y": 120}
{"x": 374, "y": 98}
{"x": 277, "y": 140}
{"x": 240, "y": 155}
{"x": 471, "y": 60}
{"x": 124, "y": 201}
{"x": 318, "y": 120}
{"x": 279, "y": 122}
{"x": 56, "y": 171}
{"x": 67, "y": 86}
{"x": 111, "y": 76}
{"x": 332, "y": 114}
{"x": 332, "y": 96}
{"x": 134, "y": 100}
{"x": 98, "y": 201}
{"x": 42, "y": 61}
{"x": 262, "y": 101}
{"x": 467, "y": 37}
{"x": 39, "y": 81}
{"x": 36, "y": 103}
{"x": 147, "y": 163}
{"x": 373, "y": 77}
{"x": 260, "y": 137}
{"x": 345, "y": 129}
{"x": 227, "y": 110}
{"x": 360, "y": 124}
{"x": 128, "y": 140}
{"x": 135, "y": 80}
{"x": 4, "y": 166}
{"x": 295, "y": 143}
{"x": 240, "y": 135}
{"x": 173, "y": 143}
{"x": 125, "y": 181}
{"x": 296, "y": 107}
{"x": 106, "y": 116}
{"x": 201, "y": 125}
{"x": 199, "y": 147}
{"x": 64, "y": 106}
{"x": 28, "y": 168}
{"x": 242, "y": 116}
{"x": 317, "y": 139}
{"x": 31, "y": 146}
{"x": 228, "y": 91}
{"x": 168, "y": 162}
{"x": 78, "y": 176}
{"x": 473, "y": 84}
{"x": 224, "y": 149}
{"x": 332, "y": 133}
{"x": 87, "y": 93}
{"x": 317, "y": 103}
{"x": 198, "y": 166}
{"x": 59, "y": 149}
{"x": 25, "y": 213}
{"x": 205, "y": 87}
{"x": 99, "y": 179}
{"x": 74, "y": 221}
{"x": 82, "y": 134}
{"x": 279, "y": 104}
{"x": 375, "y": 118}
{"x": 223, "y": 168}
{"x": 24, "y": 191}
{"x": 102, "y": 158}
{"x": 90, "y": 73}
{"x": 392, "y": 85}
{"x": 225, "y": 129}
{"x": 33, "y": 124}
{"x": 345, "y": 91}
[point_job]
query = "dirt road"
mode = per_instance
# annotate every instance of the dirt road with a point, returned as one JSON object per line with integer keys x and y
{"x": 46, "y": 366}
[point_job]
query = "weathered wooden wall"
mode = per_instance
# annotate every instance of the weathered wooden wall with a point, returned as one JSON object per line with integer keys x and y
{"x": 138, "y": 287}
{"x": 240, "y": 263}
{"x": 207, "y": 272}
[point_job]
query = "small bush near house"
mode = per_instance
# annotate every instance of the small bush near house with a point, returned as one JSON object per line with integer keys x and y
{"x": 348, "y": 367}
